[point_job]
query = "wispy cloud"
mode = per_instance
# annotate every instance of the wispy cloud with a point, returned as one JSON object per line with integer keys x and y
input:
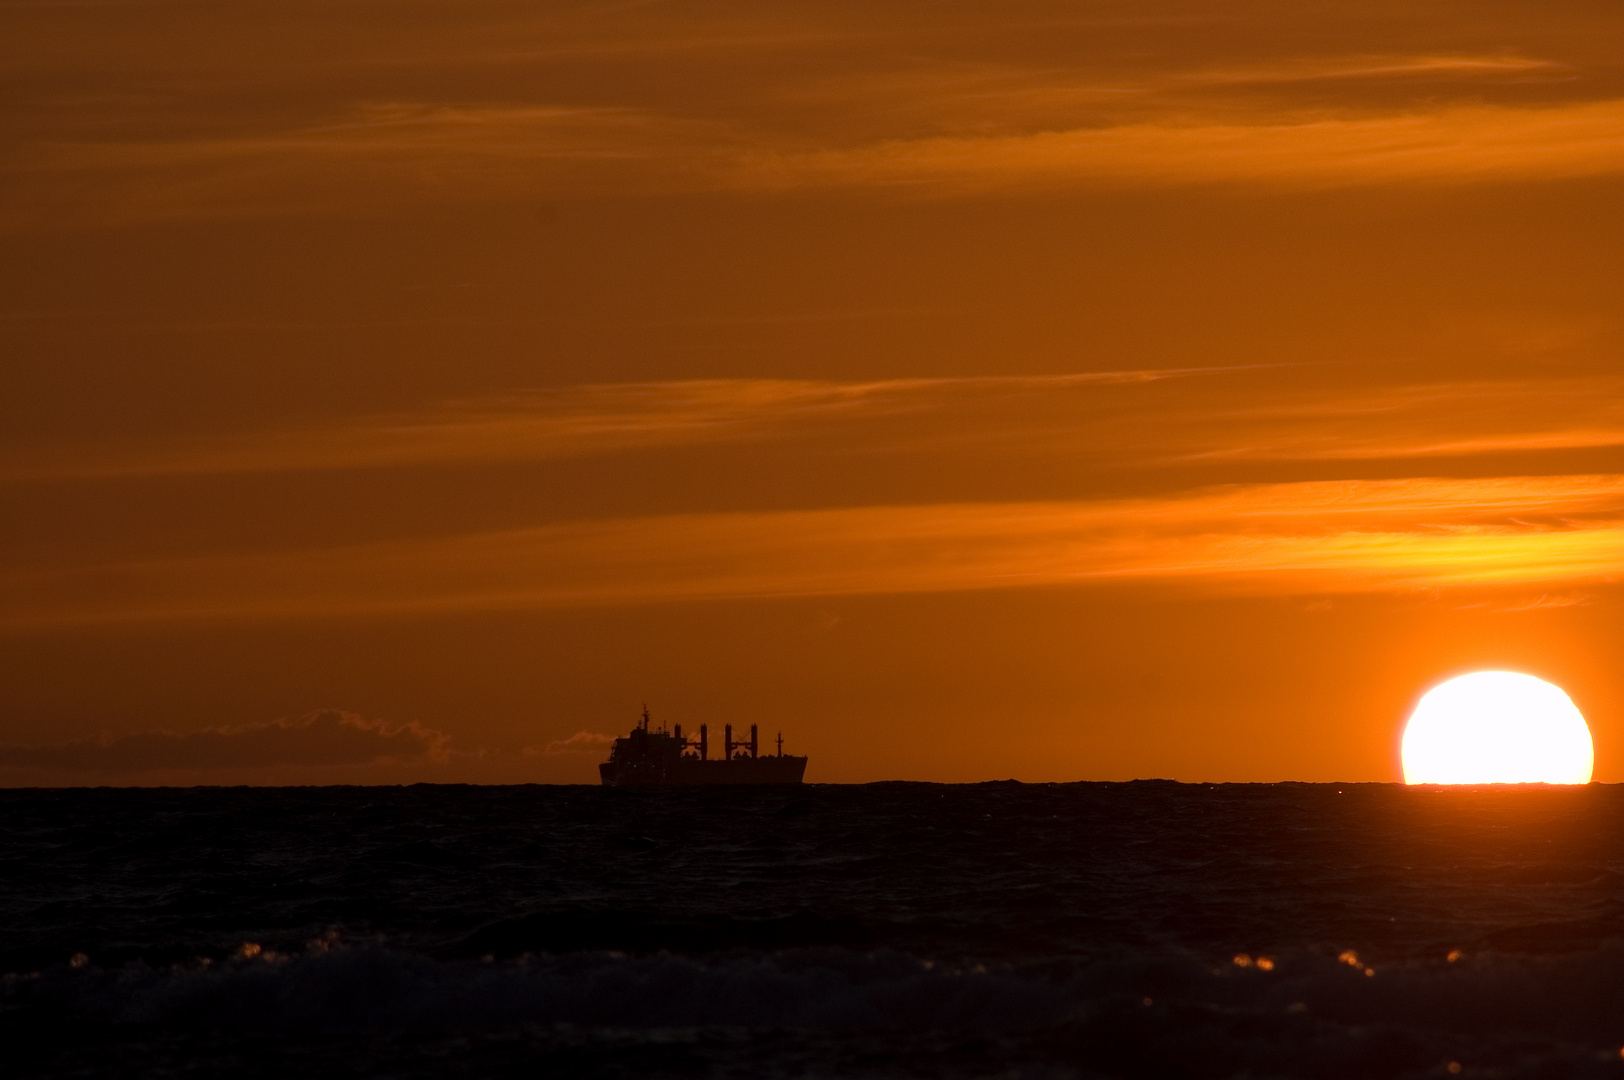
{"x": 1120, "y": 419}
{"x": 931, "y": 128}
{"x": 567, "y": 422}
{"x": 374, "y": 154}
{"x": 990, "y": 99}
{"x": 590, "y": 743}
{"x": 1458, "y": 144}
{"x": 1333, "y": 536}
{"x": 1420, "y": 420}
{"x": 1379, "y": 67}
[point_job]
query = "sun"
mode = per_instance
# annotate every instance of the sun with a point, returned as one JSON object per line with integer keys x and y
{"x": 1496, "y": 727}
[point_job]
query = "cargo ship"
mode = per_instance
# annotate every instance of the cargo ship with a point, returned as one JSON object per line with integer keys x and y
{"x": 647, "y": 757}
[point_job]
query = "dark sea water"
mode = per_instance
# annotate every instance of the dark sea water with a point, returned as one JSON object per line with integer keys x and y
{"x": 1148, "y": 929}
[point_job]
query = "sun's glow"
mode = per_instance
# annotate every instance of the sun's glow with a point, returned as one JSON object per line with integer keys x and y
{"x": 1497, "y": 727}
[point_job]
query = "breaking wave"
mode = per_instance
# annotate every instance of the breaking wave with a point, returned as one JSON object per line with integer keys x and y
{"x": 1162, "y": 1015}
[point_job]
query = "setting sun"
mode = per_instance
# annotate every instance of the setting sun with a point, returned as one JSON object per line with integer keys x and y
{"x": 1496, "y": 727}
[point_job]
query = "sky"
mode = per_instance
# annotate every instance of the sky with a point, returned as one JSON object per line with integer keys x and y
{"x": 1046, "y": 390}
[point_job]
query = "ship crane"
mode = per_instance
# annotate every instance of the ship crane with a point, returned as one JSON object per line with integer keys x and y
{"x": 701, "y": 745}
{"x": 751, "y": 749}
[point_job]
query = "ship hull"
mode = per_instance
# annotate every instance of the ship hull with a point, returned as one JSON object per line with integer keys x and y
{"x": 691, "y": 772}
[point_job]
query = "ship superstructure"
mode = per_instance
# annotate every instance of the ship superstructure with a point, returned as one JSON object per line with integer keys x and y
{"x": 648, "y": 756}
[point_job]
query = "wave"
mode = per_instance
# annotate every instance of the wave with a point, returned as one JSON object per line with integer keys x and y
{"x": 369, "y": 989}
{"x": 1165, "y": 1014}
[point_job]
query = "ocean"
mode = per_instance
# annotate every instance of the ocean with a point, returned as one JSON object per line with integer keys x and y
{"x": 1146, "y": 929}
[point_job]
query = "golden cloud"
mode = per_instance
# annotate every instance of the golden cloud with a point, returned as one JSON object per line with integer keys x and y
{"x": 1326, "y": 536}
{"x": 1460, "y": 144}
{"x": 566, "y": 422}
{"x": 411, "y": 152}
{"x": 1123, "y": 418}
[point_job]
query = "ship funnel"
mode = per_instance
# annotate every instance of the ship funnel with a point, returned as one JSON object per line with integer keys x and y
{"x": 754, "y": 745}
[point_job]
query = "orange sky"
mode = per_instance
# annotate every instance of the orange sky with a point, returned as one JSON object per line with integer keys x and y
{"x": 1050, "y": 390}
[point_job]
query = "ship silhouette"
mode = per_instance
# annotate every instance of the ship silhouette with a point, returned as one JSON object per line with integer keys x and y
{"x": 647, "y": 757}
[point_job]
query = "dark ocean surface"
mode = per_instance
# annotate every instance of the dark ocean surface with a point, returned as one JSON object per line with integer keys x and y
{"x": 1149, "y": 929}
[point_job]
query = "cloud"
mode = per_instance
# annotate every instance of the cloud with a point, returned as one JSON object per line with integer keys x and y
{"x": 1447, "y": 145}
{"x": 982, "y": 99}
{"x": 372, "y": 155}
{"x": 1379, "y": 67}
{"x": 1548, "y": 600}
{"x": 566, "y": 422}
{"x": 582, "y": 742}
{"x": 323, "y": 739}
{"x": 1120, "y": 419}
{"x": 1322, "y": 536}
{"x": 1453, "y": 419}
{"x": 935, "y": 128}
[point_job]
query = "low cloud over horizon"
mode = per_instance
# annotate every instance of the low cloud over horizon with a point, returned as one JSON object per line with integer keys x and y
{"x": 326, "y": 739}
